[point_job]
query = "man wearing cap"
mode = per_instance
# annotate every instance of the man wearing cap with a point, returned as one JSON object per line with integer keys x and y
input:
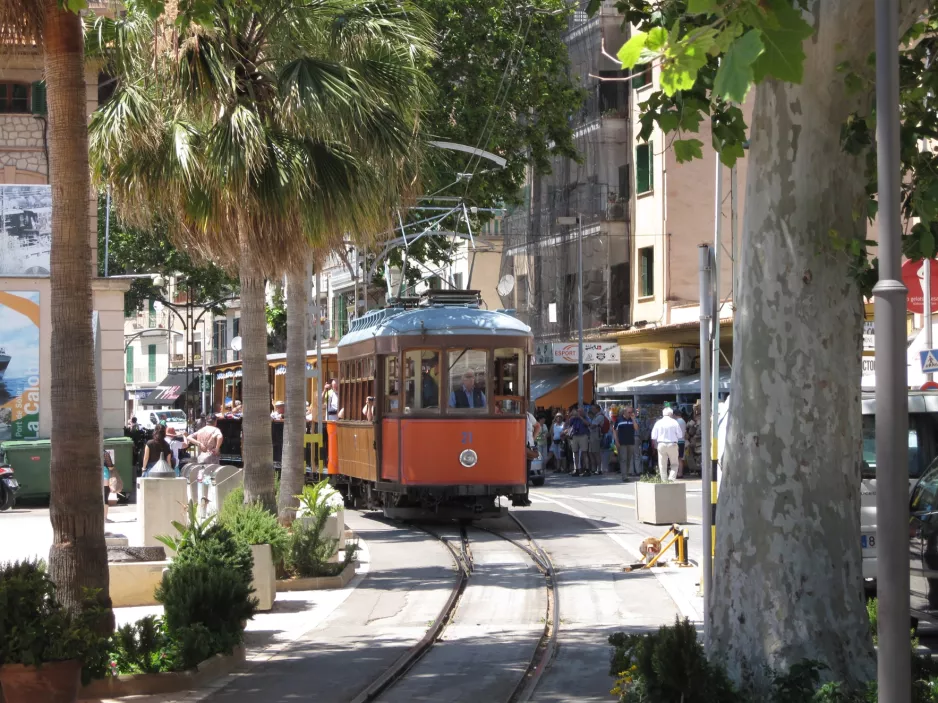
{"x": 665, "y": 435}
{"x": 277, "y": 414}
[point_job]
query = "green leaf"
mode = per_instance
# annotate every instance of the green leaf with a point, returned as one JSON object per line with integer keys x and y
{"x": 687, "y": 150}
{"x": 592, "y": 7}
{"x": 784, "y": 54}
{"x": 701, "y": 7}
{"x": 74, "y": 5}
{"x": 656, "y": 40}
{"x": 669, "y": 121}
{"x": 731, "y": 152}
{"x": 679, "y": 72}
{"x": 735, "y": 74}
{"x": 632, "y": 49}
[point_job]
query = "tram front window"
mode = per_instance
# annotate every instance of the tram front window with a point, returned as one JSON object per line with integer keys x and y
{"x": 466, "y": 369}
{"x": 421, "y": 380}
{"x": 510, "y": 381}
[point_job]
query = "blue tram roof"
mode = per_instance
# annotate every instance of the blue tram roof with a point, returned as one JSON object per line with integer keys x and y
{"x": 435, "y": 320}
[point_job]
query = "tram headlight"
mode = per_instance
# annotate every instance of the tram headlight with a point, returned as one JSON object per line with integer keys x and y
{"x": 468, "y": 458}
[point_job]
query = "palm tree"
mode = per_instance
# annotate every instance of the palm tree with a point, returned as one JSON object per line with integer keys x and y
{"x": 281, "y": 125}
{"x": 78, "y": 557}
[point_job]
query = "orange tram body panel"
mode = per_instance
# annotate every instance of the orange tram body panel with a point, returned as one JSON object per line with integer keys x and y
{"x": 433, "y": 421}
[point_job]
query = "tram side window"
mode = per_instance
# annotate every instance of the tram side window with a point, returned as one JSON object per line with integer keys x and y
{"x": 466, "y": 369}
{"x": 510, "y": 381}
{"x": 421, "y": 380}
{"x": 392, "y": 385}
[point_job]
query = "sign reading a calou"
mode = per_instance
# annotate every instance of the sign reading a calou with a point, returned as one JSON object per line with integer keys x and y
{"x": 568, "y": 353}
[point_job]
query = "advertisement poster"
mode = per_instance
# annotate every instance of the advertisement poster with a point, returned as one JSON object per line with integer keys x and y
{"x": 19, "y": 365}
{"x": 569, "y": 353}
{"x": 25, "y": 230}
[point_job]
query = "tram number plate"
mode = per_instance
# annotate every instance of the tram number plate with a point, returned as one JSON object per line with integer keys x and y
{"x": 467, "y": 437}
{"x": 868, "y": 541}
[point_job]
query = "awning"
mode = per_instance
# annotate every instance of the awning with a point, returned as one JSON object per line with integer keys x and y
{"x": 556, "y": 386}
{"x": 662, "y": 382}
{"x": 171, "y": 388}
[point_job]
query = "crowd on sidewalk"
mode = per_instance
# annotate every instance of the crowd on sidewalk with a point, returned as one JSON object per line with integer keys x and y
{"x": 591, "y": 440}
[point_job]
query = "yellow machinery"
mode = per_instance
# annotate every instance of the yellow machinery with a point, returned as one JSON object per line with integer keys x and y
{"x": 653, "y": 548}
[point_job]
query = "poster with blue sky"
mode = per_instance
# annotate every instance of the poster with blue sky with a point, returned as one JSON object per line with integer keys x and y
{"x": 19, "y": 365}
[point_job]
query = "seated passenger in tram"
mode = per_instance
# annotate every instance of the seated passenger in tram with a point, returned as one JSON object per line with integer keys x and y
{"x": 467, "y": 395}
{"x": 430, "y": 389}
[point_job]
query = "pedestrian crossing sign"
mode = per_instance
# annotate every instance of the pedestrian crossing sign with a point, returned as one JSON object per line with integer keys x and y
{"x": 929, "y": 361}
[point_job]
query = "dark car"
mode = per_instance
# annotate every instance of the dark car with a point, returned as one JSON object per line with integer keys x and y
{"x": 923, "y": 546}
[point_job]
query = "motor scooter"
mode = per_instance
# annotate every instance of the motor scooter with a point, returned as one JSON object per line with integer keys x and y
{"x": 8, "y": 485}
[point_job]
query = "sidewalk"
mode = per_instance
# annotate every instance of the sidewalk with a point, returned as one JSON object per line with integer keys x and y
{"x": 266, "y": 636}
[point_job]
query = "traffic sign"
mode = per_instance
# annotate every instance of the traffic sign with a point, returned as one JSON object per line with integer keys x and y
{"x": 913, "y": 273}
{"x": 929, "y": 386}
{"x": 929, "y": 360}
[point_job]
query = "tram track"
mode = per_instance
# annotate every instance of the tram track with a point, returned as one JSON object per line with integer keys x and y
{"x": 461, "y": 551}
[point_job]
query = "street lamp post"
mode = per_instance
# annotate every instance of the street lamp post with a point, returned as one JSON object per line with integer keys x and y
{"x": 578, "y": 221}
{"x": 892, "y": 496}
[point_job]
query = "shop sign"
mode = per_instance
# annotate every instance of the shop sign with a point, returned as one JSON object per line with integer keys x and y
{"x": 568, "y": 353}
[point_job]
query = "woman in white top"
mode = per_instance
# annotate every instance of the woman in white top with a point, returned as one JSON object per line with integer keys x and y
{"x": 556, "y": 446}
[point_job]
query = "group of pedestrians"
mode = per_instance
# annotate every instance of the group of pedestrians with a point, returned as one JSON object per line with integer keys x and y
{"x": 588, "y": 441}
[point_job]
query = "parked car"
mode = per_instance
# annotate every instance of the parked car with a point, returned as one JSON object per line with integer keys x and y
{"x": 923, "y": 546}
{"x": 173, "y": 418}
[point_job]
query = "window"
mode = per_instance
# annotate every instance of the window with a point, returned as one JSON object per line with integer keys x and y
{"x": 612, "y": 95}
{"x": 522, "y": 286}
{"x": 510, "y": 381}
{"x": 619, "y": 294}
{"x": 624, "y": 185}
{"x": 421, "y": 380}
{"x": 151, "y": 360}
{"x": 39, "y": 106}
{"x": 467, "y": 369}
{"x": 339, "y": 315}
{"x": 236, "y": 330}
{"x": 641, "y": 76}
{"x": 434, "y": 283}
{"x": 457, "y": 281}
{"x": 644, "y": 168}
{"x": 646, "y": 260}
{"x": 151, "y": 313}
{"x": 219, "y": 340}
{"x": 14, "y": 97}
{"x": 129, "y": 365}
{"x": 392, "y": 385}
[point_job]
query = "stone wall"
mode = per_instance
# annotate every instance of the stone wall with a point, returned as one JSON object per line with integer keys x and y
{"x": 21, "y": 143}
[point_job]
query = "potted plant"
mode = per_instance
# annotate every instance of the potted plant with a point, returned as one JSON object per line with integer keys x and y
{"x": 269, "y": 541}
{"x": 43, "y": 647}
{"x": 660, "y": 502}
{"x": 314, "y": 500}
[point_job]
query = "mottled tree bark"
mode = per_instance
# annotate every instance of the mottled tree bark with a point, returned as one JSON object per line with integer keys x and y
{"x": 787, "y": 576}
{"x": 78, "y": 557}
{"x": 294, "y": 463}
{"x": 256, "y": 445}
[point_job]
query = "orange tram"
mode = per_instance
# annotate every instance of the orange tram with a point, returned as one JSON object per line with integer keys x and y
{"x": 449, "y": 383}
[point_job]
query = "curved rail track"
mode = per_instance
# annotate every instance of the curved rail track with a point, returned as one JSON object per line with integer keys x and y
{"x": 461, "y": 551}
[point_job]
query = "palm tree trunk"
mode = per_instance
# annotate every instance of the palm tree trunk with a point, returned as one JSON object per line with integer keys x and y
{"x": 78, "y": 557}
{"x": 256, "y": 447}
{"x": 294, "y": 463}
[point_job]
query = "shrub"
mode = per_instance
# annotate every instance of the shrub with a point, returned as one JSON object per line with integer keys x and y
{"x": 210, "y": 596}
{"x": 253, "y": 524}
{"x": 210, "y": 543}
{"x": 36, "y": 628}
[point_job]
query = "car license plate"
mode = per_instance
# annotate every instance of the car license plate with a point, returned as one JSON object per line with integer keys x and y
{"x": 868, "y": 541}
{"x": 11, "y": 482}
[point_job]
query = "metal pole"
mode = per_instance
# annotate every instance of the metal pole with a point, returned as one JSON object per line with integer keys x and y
{"x": 107, "y": 229}
{"x": 579, "y": 302}
{"x": 202, "y": 384}
{"x": 734, "y": 222}
{"x": 709, "y": 489}
{"x": 926, "y": 290}
{"x": 705, "y": 320}
{"x": 319, "y": 388}
{"x": 892, "y": 496}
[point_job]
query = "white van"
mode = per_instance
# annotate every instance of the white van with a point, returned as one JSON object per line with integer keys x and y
{"x": 173, "y": 418}
{"x": 923, "y": 448}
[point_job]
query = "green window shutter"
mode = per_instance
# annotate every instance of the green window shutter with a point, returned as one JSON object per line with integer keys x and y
{"x": 647, "y": 263}
{"x": 151, "y": 359}
{"x": 129, "y": 365}
{"x": 39, "y": 106}
{"x": 643, "y": 175}
{"x": 651, "y": 165}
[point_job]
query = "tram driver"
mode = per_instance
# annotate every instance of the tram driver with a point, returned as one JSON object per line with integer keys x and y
{"x": 467, "y": 395}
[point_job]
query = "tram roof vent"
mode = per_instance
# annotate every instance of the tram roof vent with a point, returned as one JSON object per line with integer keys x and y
{"x": 469, "y": 298}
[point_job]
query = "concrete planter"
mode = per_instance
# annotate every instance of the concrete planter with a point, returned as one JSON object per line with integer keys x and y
{"x": 264, "y": 580}
{"x": 334, "y": 529}
{"x": 660, "y": 503}
{"x": 134, "y": 582}
{"x": 318, "y": 583}
{"x": 169, "y": 682}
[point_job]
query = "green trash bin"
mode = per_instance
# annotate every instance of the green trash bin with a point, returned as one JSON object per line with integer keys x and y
{"x": 123, "y": 451}
{"x": 30, "y": 460}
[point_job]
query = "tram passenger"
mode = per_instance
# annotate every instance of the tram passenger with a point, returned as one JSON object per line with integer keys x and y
{"x": 277, "y": 414}
{"x": 429, "y": 388}
{"x": 368, "y": 412}
{"x": 331, "y": 397}
{"x": 467, "y": 395}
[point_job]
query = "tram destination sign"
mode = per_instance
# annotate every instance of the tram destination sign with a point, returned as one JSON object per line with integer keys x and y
{"x": 568, "y": 353}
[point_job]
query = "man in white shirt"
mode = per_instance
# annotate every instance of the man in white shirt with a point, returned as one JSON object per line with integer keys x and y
{"x": 665, "y": 435}
{"x": 332, "y": 401}
{"x": 277, "y": 414}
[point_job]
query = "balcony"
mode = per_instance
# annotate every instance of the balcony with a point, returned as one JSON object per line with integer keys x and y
{"x": 226, "y": 355}
{"x": 143, "y": 376}
{"x": 177, "y": 361}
